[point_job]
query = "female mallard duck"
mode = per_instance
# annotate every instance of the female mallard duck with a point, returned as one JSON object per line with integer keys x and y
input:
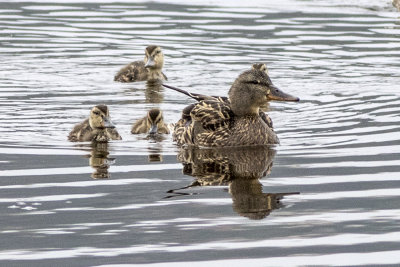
{"x": 149, "y": 69}
{"x": 224, "y": 99}
{"x": 213, "y": 123}
{"x": 152, "y": 123}
{"x": 98, "y": 127}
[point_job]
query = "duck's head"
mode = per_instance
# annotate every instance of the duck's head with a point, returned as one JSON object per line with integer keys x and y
{"x": 252, "y": 89}
{"x": 154, "y": 57}
{"x": 100, "y": 118}
{"x": 260, "y": 66}
{"x": 155, "y": 120}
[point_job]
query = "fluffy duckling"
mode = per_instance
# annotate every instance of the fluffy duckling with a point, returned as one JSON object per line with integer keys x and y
{"x": 149, "y": 69}
{"x": 260, "y": 66}
{"x": 152, "y": 123}
{"x": 98, "y": 127}
{"x": 212, "y": 123}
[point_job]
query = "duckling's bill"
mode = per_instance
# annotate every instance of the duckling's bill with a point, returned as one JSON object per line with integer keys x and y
{"x": 150, "y": 63}
{"x": 153, "y": 129}
{"x": 108, "y": 123}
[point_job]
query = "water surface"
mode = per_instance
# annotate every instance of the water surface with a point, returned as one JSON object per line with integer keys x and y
{"x": 140, "y": 201}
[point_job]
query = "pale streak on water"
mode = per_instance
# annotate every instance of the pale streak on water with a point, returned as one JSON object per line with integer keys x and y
{"x": 340, "y": 145}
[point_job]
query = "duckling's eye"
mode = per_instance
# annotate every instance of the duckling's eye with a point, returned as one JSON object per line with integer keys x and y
{"x": 96, "y": 113}
{"x": 255, "y": 82}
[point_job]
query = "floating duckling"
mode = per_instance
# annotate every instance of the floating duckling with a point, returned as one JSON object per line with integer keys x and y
{"x": 260, "y": 66}
{"x": 98, "y": 127}
{"x": 152, "y": 123}
{"x": 213, "y": 123}
{"x": 147, "y": 70}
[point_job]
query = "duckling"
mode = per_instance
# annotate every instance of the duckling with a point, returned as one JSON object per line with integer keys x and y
{"x": 260, "y": 66}
{"x": 98, "y": 127}
{"x": 152, "y": 123}
{"x": 212, "y": 123}
{"x": 149, "y": 69}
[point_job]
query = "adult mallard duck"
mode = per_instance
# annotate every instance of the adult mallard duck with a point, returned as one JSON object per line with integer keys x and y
{"x": 214, "y": 123}
{"x": 152, "y": 123}
{"x": 147, "y": 70}
{"x": 225, "y": 99}
{"x": 98, "y": 127}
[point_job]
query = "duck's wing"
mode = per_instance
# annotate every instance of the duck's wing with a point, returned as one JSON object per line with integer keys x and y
{"x": 212, "y": 114}
{"x": 140, "y": 126}
{"x": 113, "y": 134}
{"x": 79, "y": 131}
{"x": 134, "y": 71}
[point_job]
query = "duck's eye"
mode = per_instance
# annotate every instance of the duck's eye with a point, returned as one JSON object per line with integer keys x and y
{"x": 96, "y": 113}
{"x": 255, "y": 82}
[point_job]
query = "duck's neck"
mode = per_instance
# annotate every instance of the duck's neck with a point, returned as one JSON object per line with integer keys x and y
{"x": 154, "y": 73}
{"x": 242, "y": 110}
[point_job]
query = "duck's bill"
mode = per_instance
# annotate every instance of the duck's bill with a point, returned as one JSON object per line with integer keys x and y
{"x": 108, "y": 123}
{"x": 153, "y": 129}
{"x": 150, "y": 63}
{"x": 277, "y": 95}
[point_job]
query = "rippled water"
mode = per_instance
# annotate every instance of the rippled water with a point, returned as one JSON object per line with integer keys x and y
{"x": 337, "y": 167}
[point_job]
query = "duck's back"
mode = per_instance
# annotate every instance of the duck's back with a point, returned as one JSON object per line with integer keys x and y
{"x": 132, "y": 72}
{"x": 213, "y": 124}
{"x": 81, "y": 132}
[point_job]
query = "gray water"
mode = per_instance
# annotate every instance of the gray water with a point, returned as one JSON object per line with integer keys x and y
{"x": 140, "y": 201}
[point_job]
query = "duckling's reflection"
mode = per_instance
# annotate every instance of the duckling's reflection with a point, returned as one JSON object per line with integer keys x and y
{"x": 154, "y": 92}
{"x": 99, "y": 160}
{"x": 155, "y": 153}
{"x": 240, "y": 169}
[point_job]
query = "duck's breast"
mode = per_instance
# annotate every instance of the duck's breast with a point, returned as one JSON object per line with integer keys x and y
{"x": 248, "y": 131}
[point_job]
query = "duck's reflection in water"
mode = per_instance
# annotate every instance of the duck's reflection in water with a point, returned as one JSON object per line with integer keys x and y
{"x": 154, "y": 92}
{"x": 99, "y": 160}
{"x": 155, "y": 153}
{"x": 238, "y": 168}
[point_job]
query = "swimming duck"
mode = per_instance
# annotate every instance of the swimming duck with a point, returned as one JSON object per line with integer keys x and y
{"x": 152, "y": 123}
{"x": 98, "y": 127}
{"x": 213, "y": 123}
{"x": 260, "y": 66}
{"x": 149, "y": 69}
{"x": 225, "y": 99}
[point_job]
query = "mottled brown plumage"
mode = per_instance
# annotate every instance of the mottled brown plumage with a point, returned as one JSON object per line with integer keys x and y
{"x": 98, "y": 127}
{"x": 152, "y": 123}
{"x": 213, "y": 123}
{"x": 148, "y": 70}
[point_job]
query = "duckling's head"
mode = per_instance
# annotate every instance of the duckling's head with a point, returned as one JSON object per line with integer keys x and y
{"x": 155, "y": 120}
{"x": 252, "y": 89}
{"x": 154, "y": 57}
{"x": 260, "y": 66}
{"x": 100, "y": 118}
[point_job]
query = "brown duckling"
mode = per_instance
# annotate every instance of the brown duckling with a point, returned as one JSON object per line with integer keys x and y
{"x": 152, "y": 123}
{"x": 260, "y": 66}
{"x": 98, "y": 127}
{"x": 147, "y": 70}
{"x": 212, "y": 123}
